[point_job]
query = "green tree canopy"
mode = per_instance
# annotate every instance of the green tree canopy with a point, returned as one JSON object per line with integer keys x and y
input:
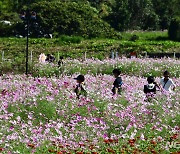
{"x": 95, "y": 17}
{"x": 71, "y": 18}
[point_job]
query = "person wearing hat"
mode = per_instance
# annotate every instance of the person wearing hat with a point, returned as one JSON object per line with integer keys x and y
{"x": 118, "y": 82}
{"x": 79, "y": 90}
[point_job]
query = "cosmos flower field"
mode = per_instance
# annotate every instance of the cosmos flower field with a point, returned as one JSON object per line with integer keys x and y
{"x": 43, "y": 115}
{"x": 132, "y": 67}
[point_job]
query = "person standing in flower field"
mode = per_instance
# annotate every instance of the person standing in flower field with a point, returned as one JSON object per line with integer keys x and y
{"x": 61, "y": 65}
{"x": 151, "y": 86}
{"x": 167, "y": 83}
{"x": 50, "y": 58}
{"x": 60, "y": 62}
{"x": 42, "y": 58}
{"x": 117, "y": 83}
{"x": 79, "y": 90}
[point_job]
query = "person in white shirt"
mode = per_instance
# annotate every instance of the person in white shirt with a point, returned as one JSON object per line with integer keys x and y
{"x": 167, "y": 83}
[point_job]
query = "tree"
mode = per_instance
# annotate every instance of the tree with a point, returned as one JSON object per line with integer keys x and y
{"x": 142, "y": 15}
{"x": 133, "y": 14}
{"x": 174, "y": 29}
{"x": 71, "y": 18}
{"x": 164, "y": 9}
{"x": 120, "y": 16}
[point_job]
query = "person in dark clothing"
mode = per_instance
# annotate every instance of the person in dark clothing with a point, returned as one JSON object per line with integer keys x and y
{"x": 79, "y": 90}
{"x": 50, "y": 58}
{"x": 60, "y": 62}
{"x": 118, "y": 82}
{"x": 151, "y": 86}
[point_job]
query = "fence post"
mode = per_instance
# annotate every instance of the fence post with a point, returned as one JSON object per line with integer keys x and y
{"x": 85, "y": 56}
{"x": 2, "y": 55}
{"x": 58, "y": 56}
{"x": 31, "y": 56}
{"x": 112, "y": 54}
{"x": 174, "y": 55}
{"x": 116, "y": 55}
{"x": 146, "y": 54}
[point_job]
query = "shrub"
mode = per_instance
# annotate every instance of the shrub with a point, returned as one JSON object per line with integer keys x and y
{"x": 174, "y": 29}
{"x": 8, "y": 24}
{"x": 5, "y": 29}
{"x": 71, "y": 39}
{"x": 134, "y": 38}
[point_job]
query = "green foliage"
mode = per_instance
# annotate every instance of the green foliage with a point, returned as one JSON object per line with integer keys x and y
{"x": 89, "y": 18}
{"x": 174, "y": 29}
{"x": 164, "y": 10}
{"x": 133, "y": 14}
{"x": 71, "y": 18}
{"x": 145, "y": 35}
{"x": 134, "y": 38}
{"x": 47, "y": 70}
{"x": 41, "y": 112}
{"x": 47, "y": 109}
{"x": 5, "y": 28}
{"x": 17, "y": 65}
{"x": 70, "y": 39}
{"x": 120, "y": 15}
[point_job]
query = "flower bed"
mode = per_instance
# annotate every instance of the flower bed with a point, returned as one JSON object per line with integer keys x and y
{"x": 132, "y": 67}
{"x": 42, "y": 115}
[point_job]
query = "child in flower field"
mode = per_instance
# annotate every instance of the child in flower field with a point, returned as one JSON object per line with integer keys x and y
{"x": 167, "y": 83}
{"x": 50, "y": 58}
{"x": 151, "y": 86}
{"x": 118, "y": 82}
{"x": 79, "y": 90}
{"x": 60, "y": 62}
